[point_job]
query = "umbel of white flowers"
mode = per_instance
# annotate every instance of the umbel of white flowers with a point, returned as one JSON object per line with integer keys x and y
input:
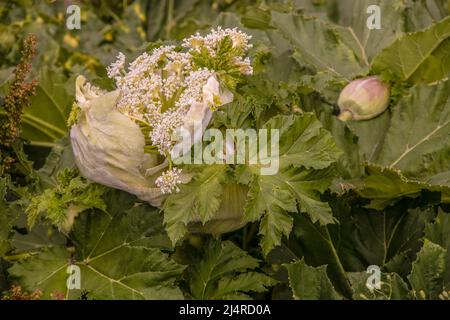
{"x": 123, "y": 139}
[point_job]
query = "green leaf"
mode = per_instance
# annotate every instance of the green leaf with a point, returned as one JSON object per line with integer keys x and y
{"x": 5, "y": 219}
{"x": 370, "y": 135}
{"x": 225, "y": 272}
{"x": 233, "y": 288}
{"x": 118, "y": 254}
{"x": 309, "y": 283}
{"x": 60, "y": 158}
{"x": 349, "y": 164}
{"x": 426, "y": 277}
{"x": 199, "y": 199}
{"x": 389, "y": 239}
{"x": 186, "y": 18}
{"x": 46, "y": 271}
{"x": 319, "y": 45}
{"x": 72, "y": 195}
{"x": 420, "y": 57}
{"x": 41, "y": 236}
{"x": 352, "y": 14}
{"x": 271, "y": 204}
{"x": 385, "y": 186}
{"x": 272, "y": 197}
{"x": 317, "y": 245}
{"x": 45, "y": 119}
{"x": 303, "y": 144}
{"x": 326, "y": 85}
{"x": 10, "y": 211}
{"x": 420, "y": 14}
{"x": 362, "y": 238}
{"x": 438, "y": 233}
{"x": 419, "y": 133}
{"x": 415, "y": 159}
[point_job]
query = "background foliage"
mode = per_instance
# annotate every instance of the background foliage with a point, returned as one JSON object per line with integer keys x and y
{"x": 347, "y": 196}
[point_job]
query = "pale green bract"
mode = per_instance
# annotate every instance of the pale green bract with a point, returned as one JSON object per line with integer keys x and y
{"x": 109, "y": 147}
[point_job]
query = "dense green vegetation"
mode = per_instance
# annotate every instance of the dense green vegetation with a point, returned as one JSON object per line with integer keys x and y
{"x": 348, "y": 195}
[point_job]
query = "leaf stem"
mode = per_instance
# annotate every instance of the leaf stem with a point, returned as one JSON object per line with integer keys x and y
{"x": 17, "y": 257}
{"x": 169, "y": 22}
{"x": 345, "y": 116}
{"x": 41, "y": 122}
{"x": 249, "y": 233}
{"x": 344, "y": 280}
{"x": 44, "y": 144}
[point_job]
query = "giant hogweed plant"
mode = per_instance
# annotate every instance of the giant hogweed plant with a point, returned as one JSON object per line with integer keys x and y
{"x": 363, "y": 179}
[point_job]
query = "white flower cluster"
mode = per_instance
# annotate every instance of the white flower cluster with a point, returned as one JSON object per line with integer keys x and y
{"x": 211, "y": 41}
{"x": 116, "y": 69}
{"x": 169, "y": 181}
{"x": 159, "y": 88}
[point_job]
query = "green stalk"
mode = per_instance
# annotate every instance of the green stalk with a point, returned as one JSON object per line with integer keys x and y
{"x": 343, "y": 279}
{"x": 169, "y": 20}
{"x": 17, "y": 257}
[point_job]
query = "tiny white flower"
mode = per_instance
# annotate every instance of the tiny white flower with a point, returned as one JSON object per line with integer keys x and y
{"x": 168, "y": 181}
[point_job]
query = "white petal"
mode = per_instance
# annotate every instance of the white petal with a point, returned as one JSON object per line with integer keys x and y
{"x": 109, "y": 147}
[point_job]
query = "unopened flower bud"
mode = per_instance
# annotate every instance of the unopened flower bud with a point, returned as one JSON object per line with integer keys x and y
{"x": 363, "y": 99}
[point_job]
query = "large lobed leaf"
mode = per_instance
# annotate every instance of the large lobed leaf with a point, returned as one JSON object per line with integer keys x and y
{"x": 419, "y": 131}
{"x": 226, "y": 272}
{"x": 353, "y": 15}
{"x": 309, "y": 283}
{"x": 312, "y": 283}
{"x": 319, "y": 45}
{"x": 45, "y": 120}
{"x": 305, "y": 154}
{"x": 420, "y": 57}
{"x": 363, "y": 237}
{"x": 420, "y": 14}
{"x": 427, "y": 276}
{"x": 385, "y": 186}
{"x": 413, "y": 153}
{"x": 72, "y": 195}
{"x": 438, "y": 234}
{"x": 118, "y": 254}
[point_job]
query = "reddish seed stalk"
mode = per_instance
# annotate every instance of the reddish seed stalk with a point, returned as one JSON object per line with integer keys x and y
{"x": 18, "y": 98}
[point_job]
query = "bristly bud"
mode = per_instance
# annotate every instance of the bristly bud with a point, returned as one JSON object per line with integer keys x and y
{"x": 363, "y": 99}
